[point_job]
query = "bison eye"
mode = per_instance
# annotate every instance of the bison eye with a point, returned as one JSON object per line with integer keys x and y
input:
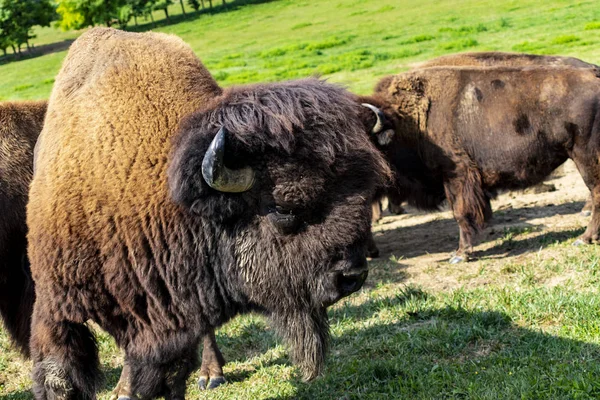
{"x": 284, "y": 219}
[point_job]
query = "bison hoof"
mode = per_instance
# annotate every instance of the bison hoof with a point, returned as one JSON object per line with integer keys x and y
{"x": 579, "y": 242}
{"x": 204, "y": 383}
{"x": 586, "y": 213}
{"x": 456, "y": 259}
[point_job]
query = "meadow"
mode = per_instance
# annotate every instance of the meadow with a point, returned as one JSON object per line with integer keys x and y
{"x": 520, "y": 322}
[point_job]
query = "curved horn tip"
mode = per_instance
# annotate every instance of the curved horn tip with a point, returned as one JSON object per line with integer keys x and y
{"x": 217, "y": 175}
{"x": 380, "y": 117}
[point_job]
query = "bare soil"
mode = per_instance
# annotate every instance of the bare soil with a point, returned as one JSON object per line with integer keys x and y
{"x": 525, "y": 223}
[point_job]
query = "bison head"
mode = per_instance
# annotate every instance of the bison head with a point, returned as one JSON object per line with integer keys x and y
{"x": 378, "y": 120}
{"x": 283, "y": 174}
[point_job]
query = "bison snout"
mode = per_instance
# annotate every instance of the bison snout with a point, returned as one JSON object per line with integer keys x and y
{"x": 349, "y": 282}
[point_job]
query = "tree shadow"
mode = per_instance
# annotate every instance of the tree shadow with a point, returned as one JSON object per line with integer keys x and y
{"x": 441, "y": 235}
{"x": 37, "y": 51}
{"x": 232, "y": 5}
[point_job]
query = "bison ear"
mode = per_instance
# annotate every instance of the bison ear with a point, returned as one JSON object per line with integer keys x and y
{"x": 381, "y": 131}
{"x": 187, "y": 182}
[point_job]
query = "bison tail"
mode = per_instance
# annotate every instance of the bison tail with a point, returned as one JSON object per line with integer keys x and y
{"x": 16, "y": 302}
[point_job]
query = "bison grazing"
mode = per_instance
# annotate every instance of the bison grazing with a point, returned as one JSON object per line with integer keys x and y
{"x": 20, "y": 125}
{"x": 163, "y": 205}
{"x": 473, "y": 131}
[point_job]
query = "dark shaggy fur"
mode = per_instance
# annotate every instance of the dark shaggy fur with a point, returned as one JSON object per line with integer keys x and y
{"x": 480, "y": 130}
{"x": 124, "y": 230}
{"x": 20, "y": 125}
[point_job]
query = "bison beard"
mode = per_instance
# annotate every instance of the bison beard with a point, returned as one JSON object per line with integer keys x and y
{"x": 128, "y": 229}
{"x": 307, "y": 335}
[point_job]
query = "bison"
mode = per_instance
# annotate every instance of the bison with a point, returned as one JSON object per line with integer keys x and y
{"x": 20, "y": 125}
{"x": 472, "y": 131}
{"x": 496, "y": 59}
{"x": 163, "y": 205}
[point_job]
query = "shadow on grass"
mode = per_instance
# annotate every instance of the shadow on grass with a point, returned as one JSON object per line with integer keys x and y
{"x": 37, "y": 51}
{"x": 433, "y": 236}
{"x": 450, "y": 352}
{"x": 191, "y": 16}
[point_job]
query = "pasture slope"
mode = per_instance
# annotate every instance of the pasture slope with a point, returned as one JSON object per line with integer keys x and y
{"x": 522, "y": 321}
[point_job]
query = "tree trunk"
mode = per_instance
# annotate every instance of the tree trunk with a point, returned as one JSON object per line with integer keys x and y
{"x": 210, "y": 3}
{"x": 182, "y": 7}
{"x": 152, "y": 19}
{"x": 202, "y": 2}
{"x": 166, "y": 10}
{"x": 135, "y": 20}
{"x": 4, "y": 51}
{"x": 28, "y": 47}
{"x": 224, "y": 3}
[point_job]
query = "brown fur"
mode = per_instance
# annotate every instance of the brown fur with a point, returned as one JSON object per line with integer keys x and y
{"x": 153, "y": 254}
{"x": 488, "y": 129}
{"x": 502, "y": 59}
{"x": 20, "y": 125}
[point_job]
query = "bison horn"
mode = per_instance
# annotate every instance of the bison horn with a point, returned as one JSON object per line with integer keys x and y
{"x": 217, "y": 175}
{"x": 380, "y": 117}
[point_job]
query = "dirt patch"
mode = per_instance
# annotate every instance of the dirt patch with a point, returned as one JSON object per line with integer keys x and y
{"x": 421, "y": 242}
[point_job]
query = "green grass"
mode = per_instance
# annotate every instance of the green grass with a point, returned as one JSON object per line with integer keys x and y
{"x": 530, "y": 331}
{"x": 349, "y": 41}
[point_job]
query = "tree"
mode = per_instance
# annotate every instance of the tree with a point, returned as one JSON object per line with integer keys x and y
{"x": 163, "y": 5}
{"x": 18, "y": 17}
{"x": 182, "y": 7}
{"x": 194, "y": 4}
{"x": 77, "y": 14}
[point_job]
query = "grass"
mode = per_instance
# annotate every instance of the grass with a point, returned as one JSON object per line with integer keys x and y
{"x": 348, "y": 41}
{"x": 526, "y": 327}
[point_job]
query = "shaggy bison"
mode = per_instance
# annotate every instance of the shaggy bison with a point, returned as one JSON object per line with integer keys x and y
{"x": 20, "y": 125}
{"x": 473, "y": 131}
{"x": 163, "y": 205}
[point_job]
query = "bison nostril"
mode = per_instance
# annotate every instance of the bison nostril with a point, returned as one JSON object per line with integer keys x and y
{"x": 351, "y": 281}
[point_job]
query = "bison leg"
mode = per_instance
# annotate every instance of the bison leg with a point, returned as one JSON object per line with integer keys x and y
{"x": 395, "y": 204}
{"x": 123, "y": 389}
{"x": 151, "y": 379}
{"x": 17, "y": 297}
{"x": 471, "y": 208}
{"x": 65, "y": 356}
{"x": 586, "y": 161}
{"x": 372, "y": 250}
{"x": 211, "y": 371}
{"x": 375, "y": 211}
{"x": 586, "y": 211}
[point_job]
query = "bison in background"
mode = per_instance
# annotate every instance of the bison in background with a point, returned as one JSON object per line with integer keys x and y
{"x": 163, "y": 205}
{"x": 475, "y": 131}
{"x": 20, "y": 125}
{"x": 495, "y": 59}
